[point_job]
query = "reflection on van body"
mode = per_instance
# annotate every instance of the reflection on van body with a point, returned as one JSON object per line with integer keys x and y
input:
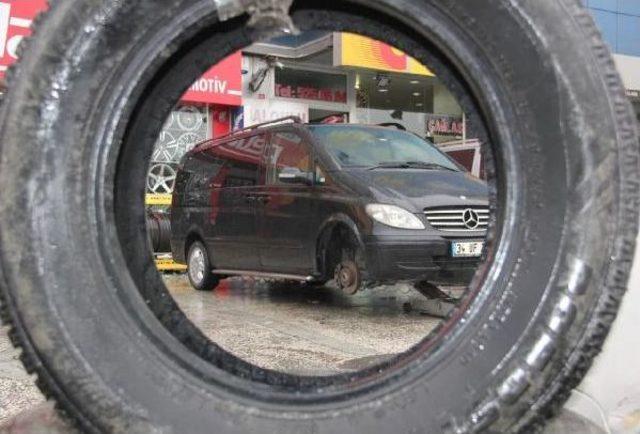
{"x": 359, "y": 204}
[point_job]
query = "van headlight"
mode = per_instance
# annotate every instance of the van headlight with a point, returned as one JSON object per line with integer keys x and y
{"x": 393, "y": 216}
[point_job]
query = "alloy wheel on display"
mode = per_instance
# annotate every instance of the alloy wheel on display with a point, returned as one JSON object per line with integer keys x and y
{"x": 161, "y": 179}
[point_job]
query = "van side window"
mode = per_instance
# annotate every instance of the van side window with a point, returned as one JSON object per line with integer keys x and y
{"x": 242, "y": 156}
{"x": 287, "y": 151}
{"x": 195, "y": 180}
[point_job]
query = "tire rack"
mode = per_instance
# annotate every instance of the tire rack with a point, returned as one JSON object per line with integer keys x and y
{"x": 164, "y": 261}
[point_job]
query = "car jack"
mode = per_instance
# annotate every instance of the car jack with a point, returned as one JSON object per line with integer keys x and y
{"x": 438, "y": 302}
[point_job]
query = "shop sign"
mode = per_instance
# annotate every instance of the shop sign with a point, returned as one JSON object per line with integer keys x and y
{"x": 15, "y": 24}
{"x": 260, "y": 111}
{"x": 311, "y": 93}
{"x": 158, "y": 199}
{"x": 311, "y": 85}
{"x": 363, "y": 52}
{"x": 444, "y": 125}
{"x": 222, "y": 84}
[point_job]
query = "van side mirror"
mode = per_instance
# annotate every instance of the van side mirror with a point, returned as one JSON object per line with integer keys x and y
{"x": 293, "y": 175}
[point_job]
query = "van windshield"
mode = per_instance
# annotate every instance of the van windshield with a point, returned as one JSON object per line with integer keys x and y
{"x": 375, "y": 147}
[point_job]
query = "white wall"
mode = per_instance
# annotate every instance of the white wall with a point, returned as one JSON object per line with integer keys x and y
{"x": 614, "y": 380}
{"x": 629, "y": 68}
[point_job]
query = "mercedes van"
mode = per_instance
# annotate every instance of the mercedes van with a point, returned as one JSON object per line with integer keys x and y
{"x": 357, "y": 204}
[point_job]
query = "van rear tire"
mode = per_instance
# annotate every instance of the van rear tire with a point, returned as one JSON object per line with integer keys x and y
{"x": 199, "y": 268}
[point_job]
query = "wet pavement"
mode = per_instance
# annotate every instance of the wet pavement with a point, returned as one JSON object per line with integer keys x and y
{"x": 307, "y": 330}
{"x": 302, "y": 330}
{"x": 17, "y": 389}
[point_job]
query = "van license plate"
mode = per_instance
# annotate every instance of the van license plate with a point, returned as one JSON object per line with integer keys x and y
{"x": 466, "y": 249}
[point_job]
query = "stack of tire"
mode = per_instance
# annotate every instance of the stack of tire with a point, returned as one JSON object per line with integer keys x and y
{"x": 159, "y": 231}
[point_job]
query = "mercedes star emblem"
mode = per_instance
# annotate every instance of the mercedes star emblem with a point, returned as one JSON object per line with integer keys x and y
{"x": 470, "y": 219}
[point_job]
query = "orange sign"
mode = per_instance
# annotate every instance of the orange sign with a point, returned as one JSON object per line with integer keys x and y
{"x": 360, "y": 51}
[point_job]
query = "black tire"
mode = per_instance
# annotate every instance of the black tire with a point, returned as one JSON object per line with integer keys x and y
{"x": 77, "y": 292}
{"x": 159, "y": 229}
{"x": 201, "y": 279}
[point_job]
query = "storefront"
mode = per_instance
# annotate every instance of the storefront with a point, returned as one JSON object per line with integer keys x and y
{"x": 394, "y": 87}
{"x": 340, "y": 77}
{"x": 206, "y": 111}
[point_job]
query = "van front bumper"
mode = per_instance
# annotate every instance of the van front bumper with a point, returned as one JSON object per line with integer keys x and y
{"x": 412, "y": 258}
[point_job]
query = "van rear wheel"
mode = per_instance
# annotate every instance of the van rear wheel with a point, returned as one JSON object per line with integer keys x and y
{"x": 199, "y": 268}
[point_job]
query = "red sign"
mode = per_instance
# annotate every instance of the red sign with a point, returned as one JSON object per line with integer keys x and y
{"x": 222, "y": 84}
{"x": 312, "y": 93}
{"x": 15, "y": 23}
{"x": 221, "y": 121}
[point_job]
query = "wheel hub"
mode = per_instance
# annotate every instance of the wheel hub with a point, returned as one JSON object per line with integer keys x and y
{"x": 347, "y": 276}
{"x": 196, "y": 266}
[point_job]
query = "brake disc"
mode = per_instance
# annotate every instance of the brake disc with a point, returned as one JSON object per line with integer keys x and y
{"x": 348, "y": 277}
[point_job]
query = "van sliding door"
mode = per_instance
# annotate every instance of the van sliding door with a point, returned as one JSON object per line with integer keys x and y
{"x": 233, "y": 233}
{"x": 285, "y": 209}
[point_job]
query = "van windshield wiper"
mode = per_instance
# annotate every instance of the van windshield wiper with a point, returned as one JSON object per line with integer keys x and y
{"x": 411, "y": 165}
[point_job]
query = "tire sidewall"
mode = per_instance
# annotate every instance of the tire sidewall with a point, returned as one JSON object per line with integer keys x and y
{"x": 580, "y": 184}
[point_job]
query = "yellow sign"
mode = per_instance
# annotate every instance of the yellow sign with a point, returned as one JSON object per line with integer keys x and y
{"x": 360, "y": 51}
{"x": 158, "y": 199}
{"x": 167, "y": 264}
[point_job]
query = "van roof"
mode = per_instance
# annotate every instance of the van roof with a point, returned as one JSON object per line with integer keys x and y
{"x": 296, "y": 121}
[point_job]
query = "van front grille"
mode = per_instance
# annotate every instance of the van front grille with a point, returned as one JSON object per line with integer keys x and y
{"x": 458, "y": 219}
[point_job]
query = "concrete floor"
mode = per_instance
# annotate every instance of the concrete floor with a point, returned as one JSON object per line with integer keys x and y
{"x": 306, "y": 330}
{"x": 17, "y": 389}
{"x": 294, "y": 329}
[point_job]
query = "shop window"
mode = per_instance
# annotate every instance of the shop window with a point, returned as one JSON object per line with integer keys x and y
{"x": 187, "y": 126}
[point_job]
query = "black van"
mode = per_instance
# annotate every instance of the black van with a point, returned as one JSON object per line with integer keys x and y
{"x": 359, "y": 204}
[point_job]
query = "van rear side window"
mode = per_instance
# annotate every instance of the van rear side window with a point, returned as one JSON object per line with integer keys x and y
{"x": 242, "y": 157}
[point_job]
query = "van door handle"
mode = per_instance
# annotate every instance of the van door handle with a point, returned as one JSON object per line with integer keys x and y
{"x": 263, "y": 199}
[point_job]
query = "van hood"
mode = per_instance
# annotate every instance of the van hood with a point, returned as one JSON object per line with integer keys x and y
{"x": 416, "y": 189}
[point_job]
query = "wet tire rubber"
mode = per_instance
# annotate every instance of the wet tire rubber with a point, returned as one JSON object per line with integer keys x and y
{"x": 208, "y": 281}
{"x": 88, "y": 309}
